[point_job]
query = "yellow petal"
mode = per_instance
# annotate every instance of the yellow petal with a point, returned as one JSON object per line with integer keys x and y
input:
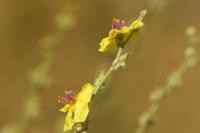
{"x": 125, "y": 30}
{"x": 69, "y": 122}
{"x": 135, "y": 36}
{"x": 108, "y": 45}
{"x": 86, "y": 93}
{"x": 136, "y": 24}
{"x": 81, "y": 111}
{"x": 120, "y": 34}
{"x": 65, "y": 108}
{"x": 135, "y": 27}
{"x": 113, "y": 33}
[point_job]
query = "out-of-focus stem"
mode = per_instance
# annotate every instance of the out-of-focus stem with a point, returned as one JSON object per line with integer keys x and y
{"x": 173, "y": 83}
{"x": 39, "y": 78}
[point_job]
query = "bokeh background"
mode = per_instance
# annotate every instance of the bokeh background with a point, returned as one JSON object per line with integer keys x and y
{"x": 24, "y": 23}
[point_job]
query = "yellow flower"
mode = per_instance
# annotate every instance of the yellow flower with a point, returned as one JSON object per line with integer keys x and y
{"x": 76, "y": 107}
{"x": 119, "y": 34}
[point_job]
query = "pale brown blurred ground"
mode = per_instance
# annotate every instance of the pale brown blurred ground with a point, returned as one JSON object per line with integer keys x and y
{"x": 23, "y": 23}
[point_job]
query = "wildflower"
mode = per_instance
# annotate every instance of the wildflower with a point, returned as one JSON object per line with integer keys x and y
{"x": 76, "y": 107}
{"x": 120, "y": 34}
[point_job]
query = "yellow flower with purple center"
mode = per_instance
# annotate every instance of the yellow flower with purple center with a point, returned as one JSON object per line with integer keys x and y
{"x": 76, "y": 106}
{"x": 120, "y": 34}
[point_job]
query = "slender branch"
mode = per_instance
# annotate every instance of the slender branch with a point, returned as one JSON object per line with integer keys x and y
{"x": 103, "y": 79}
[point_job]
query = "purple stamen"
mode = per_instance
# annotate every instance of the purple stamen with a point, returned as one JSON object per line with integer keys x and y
{"x": 69, "y": 99}
{"x": 117, "y": 24}
{"x": 70, "y": 96}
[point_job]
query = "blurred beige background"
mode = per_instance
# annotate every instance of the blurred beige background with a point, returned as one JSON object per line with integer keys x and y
{"x": 23, "y": 23}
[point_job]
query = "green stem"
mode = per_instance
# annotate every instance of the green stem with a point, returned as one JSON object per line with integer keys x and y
{"x": 109, "y": 71}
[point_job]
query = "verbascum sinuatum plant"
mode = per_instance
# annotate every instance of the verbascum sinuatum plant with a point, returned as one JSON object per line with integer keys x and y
{"x": 77, "y": 107}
